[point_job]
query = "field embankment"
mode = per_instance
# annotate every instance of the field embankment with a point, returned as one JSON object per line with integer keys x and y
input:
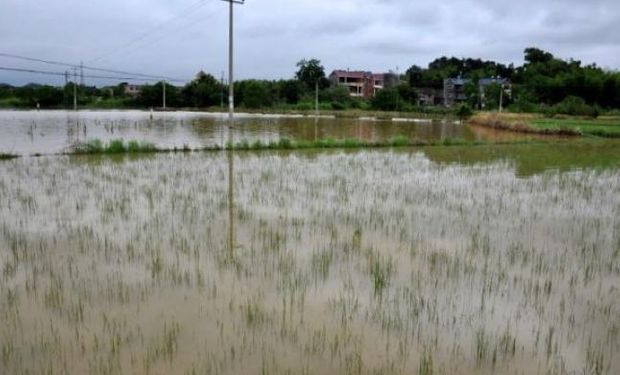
{"x": 608, "y": 127}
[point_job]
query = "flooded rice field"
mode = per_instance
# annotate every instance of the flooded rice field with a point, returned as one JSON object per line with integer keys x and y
{"x": 436, "y": 261}
{"x": 49, "y": 132}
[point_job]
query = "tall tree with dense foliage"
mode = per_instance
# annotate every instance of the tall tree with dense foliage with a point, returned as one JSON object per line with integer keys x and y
{"x": 310, "y": 71}
{"x": 203, "y": 91}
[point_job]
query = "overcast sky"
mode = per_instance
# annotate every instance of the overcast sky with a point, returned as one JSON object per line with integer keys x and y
{"x": 272, "y": 35}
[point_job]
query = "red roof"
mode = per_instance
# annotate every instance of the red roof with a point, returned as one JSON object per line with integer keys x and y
{"x": 351, "y": 74}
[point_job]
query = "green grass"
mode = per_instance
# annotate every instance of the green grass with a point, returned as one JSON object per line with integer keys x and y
{"x": 609, "y": 128}
{"x": 352, "y": 143}
{"x": 120, "y": 146}
{"x": 115, "y": 146}
{"x": 604, "y": 126}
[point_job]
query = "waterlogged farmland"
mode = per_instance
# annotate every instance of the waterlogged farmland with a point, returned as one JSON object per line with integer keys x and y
{"x": 52, "y": 132}
{"x": 437, "y": 261}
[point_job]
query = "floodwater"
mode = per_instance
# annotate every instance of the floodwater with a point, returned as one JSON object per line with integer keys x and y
{"x": 49, "y": 132}
{"x": 456, "y": 260}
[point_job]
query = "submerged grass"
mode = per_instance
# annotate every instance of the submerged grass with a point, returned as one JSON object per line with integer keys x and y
{"x": 119, "y": 146}
{"x": 399, "y": 141}
{"x": 115, "y": 146}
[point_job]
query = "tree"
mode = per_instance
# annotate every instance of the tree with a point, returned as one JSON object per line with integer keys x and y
{"x": 203, "y": 91}
{"x": 254, "y": 94}
{"x": 153, "y": 95}
{"x": 386, "y": 100}
{"x": 310, "y": 72}
{"x": 407, "y": 93}
{"x": 290, "y": 91}
{"x": 464, "y": 112}
{"x": 535, "y": 55}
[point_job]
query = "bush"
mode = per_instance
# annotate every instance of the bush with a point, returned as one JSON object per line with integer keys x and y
{"x": 386, "y": 100}
{"x": 304, "y": 106}
{"x": 575, "y": 106}
{"x": 337, "y": 106}
{"x": 464, "y": 112}
{"x": 399, "y": 141}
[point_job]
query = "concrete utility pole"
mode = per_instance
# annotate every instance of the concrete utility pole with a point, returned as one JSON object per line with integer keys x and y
{"x": 316, "y": 98}
{"x": 501, "y": 97}
{"x": 222, "y": 91}
{"x": 231, "y": 117}
{"x": 164, "y": 106}
{"x": 231, "y": 81}
{"x": 81, "y": 74}
{"x": 74, "y": 89}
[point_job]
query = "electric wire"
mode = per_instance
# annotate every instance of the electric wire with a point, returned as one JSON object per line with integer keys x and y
{"x": 60, "y": 74}
{"x": 187, "y": 11}
{"x": 58, "y": 63}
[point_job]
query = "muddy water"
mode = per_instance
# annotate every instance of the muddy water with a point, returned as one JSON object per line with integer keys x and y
{"x": 413, "y": 262}
{"x": 47, "y": 132}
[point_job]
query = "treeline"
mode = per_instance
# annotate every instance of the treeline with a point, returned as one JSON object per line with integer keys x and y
{"x": 544, "y": 83}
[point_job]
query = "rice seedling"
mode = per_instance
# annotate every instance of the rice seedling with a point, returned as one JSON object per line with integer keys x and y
{"x": 378, "y": 261}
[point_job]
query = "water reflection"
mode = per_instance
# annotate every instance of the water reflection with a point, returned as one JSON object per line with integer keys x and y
{"x": 55, "y": 131}
{"x": 231, "y": 188}
{"x": 532, "y": 159}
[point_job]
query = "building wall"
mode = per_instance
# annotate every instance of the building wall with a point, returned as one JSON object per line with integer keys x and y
{"x": 363, "y": 84}
{"x": 454, "y": 91}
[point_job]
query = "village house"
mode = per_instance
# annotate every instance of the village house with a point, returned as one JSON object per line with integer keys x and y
{"x": 454, "y": 91}
{"x": 429, "y": 97}
{"x": 133, "y": 90}
{"x": 484, "y": 83}
{"x": 363, "y": 84}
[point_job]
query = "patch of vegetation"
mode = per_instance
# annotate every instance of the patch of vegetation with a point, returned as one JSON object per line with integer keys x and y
{"x": 594, "y": 127}
{"x": 6, "y": 156}
{"x": 115, "y": 146}
{"x": 608, "y": 127}
{"x": 397, "y": 141}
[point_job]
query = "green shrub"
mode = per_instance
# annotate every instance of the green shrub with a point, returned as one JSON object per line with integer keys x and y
{"x": 285, "y": 143}
{"x": 464, "y": 112}
{"x": 399, "y": 141}
{"x": 575, "y": 106}
{"x": 338, "y": 106}
{"x": 116, "y": 146}
{"x": 351, "y": 143}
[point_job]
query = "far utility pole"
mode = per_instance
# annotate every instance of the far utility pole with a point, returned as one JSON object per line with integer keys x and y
{"x": 164, "y": 104}
{"x": 231, "y": 82}
{"x": 74, "y": 89}
{"x": 222, "y": 91}
{"x": 316, "y": 97}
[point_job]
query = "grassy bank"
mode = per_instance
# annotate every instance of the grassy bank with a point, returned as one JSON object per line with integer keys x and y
{"x": 608, "y": 127}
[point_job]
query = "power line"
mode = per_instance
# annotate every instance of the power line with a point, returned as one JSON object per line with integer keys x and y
{"x": 189, "y": 10}
{"x": 179, "y": 29}
{"x": 79, "y": 66}
{"x": 65, "y": 74}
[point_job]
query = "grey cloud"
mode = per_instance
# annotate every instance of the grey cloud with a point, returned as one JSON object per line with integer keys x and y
{"x": 273, "y": 34}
